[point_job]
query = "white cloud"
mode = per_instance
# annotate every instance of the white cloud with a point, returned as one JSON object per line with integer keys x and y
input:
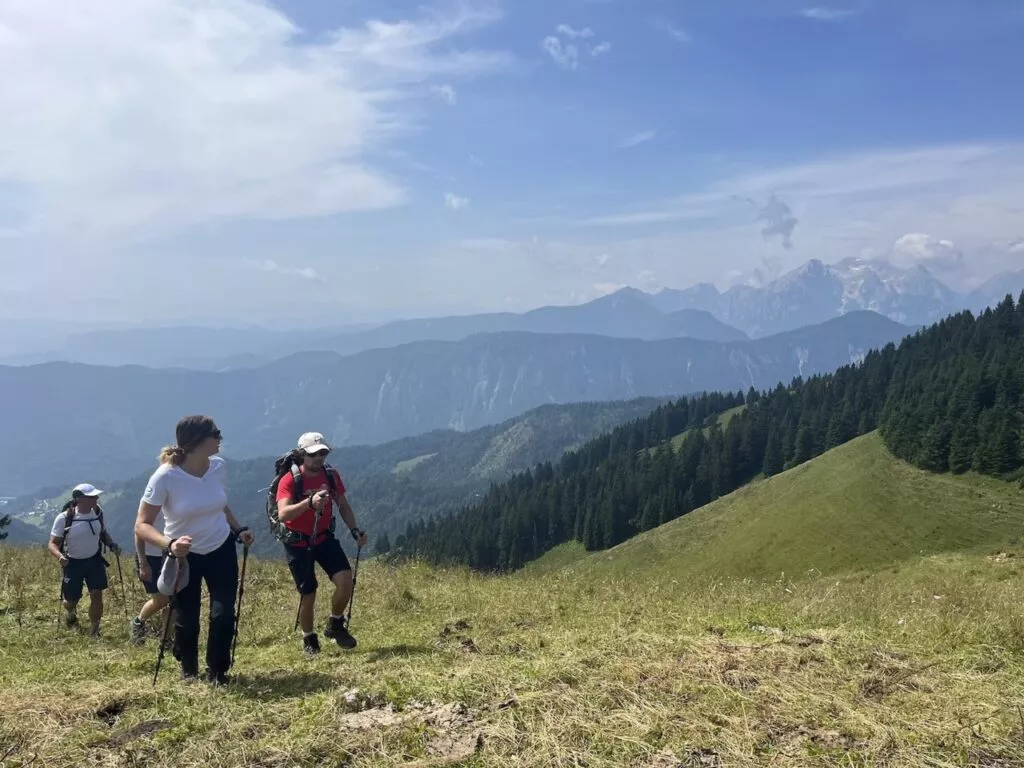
{"x": 566, "y": 53}
{"x": 566, "y": 56}
{"x": 567, "y": 31}
{"x": 638, "y": 138}
{"x": 678, "y": 34}
{"x": 139, "y": 118}
{"x": 446, "y": 92}
{"x": 826, "y": 14}
{"x": 269, "y": 265}
{"x": 455, "y": 203}
{"x": 920, "y": 249}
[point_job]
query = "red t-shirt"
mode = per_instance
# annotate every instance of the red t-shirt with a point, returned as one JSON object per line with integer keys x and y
{"x": 310, "y": 484}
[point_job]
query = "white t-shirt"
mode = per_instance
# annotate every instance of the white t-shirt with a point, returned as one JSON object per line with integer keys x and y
{"x": 83, "y": 539}
{"x": 192, "y": 506}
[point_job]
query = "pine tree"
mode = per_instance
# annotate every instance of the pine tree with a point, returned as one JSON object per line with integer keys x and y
{"x": 4, "y": 522}
{"x": 773, "y": 458}
{"x": 383, "y": 544}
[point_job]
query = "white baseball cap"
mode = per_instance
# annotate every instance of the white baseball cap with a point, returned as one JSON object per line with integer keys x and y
{"x": 88, "y": 489}
{"x": 313, "y": 442}
{"x": 165, "y": 582}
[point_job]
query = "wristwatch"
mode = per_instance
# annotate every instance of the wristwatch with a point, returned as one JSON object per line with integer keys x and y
{"x": 166, "y": 551}
{"x": 239, "y": 532}
{"x": 355, "y": 533}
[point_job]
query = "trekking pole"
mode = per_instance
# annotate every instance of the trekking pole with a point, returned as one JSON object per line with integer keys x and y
{"x": 355, "y": 578}
{"x": 171, "y": 604}
{"x": 238, "y": 608}
{"x": 120, "y": 576}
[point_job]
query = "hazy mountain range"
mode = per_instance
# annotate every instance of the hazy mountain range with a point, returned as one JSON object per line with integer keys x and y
{"x": 96, "y": 422}
{"x": 812, "y": 294}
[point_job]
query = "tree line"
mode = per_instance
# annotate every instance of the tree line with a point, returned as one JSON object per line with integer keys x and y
{"x": 948, "y": 398}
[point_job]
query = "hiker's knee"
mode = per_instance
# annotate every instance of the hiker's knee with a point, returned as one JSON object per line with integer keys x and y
{"x": 342, "y": 579}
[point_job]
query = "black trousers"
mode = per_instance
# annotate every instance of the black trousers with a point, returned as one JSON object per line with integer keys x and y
{"x": 219, "y": 569}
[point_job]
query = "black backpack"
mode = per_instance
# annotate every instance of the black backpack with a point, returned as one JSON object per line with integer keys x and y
{"x": 282, "y": 466}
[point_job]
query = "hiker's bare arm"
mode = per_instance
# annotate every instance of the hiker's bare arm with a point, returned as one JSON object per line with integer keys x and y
{"x": 247, "y": 537}
{"x": 147, "y": 532}
{"x": 347, "y": 514}
{"x": 350, "y": 518}
{"x": 56, "y": 542}
{"x": 140, "y": 548}
{"x": 286, "y": 511}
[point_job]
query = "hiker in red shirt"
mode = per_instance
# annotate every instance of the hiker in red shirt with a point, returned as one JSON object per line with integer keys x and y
{"x": 298, "y": 512}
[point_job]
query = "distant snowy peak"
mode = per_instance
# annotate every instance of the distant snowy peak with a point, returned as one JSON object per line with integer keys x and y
{"x": 815, "y": 292}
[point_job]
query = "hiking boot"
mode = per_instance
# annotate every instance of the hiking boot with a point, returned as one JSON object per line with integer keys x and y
{"x": 311, "y": 644}
{"x": 337, "y": 631}
{"x": 138, "y": 631}
{"x": 188, "y": 676}
{"x": 70, "y": 620}
{"x": 217, "y": 679}
{"x": 94, "y": 630}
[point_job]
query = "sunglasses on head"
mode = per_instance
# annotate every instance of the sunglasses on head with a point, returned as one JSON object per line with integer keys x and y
{"x": 216, "y": 435}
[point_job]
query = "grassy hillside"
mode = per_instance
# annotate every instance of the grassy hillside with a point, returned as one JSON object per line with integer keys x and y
{"x": 855, "y": 507}
{"x": 625, "y": 658}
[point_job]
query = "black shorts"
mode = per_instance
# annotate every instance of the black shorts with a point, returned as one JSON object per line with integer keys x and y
{"x": 328, "y": 554}
{"x": 89, "y": 571}
{"x": 156, "y": 562}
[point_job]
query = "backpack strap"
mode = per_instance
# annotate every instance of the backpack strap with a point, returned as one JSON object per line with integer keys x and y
{"x": 69, "y": 516}
{"x": 296, "y": 483}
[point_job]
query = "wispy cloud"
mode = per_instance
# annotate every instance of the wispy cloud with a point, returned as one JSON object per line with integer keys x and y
{"x": 827, "y": 14}
{"x": 445, "y": 92}
{"x": 566, "y": 52}
{"x": 565, "y": 56}
{"x": 638, "y": 138}
{"x": 779, "y": 221}
{"x": 269, "y": 265}
{"x": 676, "y": 33}
{"x": 455, "y": 203}
{"x": 567, "y": 31}
{"x": 143, "y": 118}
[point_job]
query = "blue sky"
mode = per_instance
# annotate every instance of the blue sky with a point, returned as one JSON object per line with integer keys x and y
{"x": 222, "y": 157}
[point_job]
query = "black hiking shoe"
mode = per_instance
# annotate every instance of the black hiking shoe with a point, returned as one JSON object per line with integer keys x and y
{"x": 94, "y": 630}
{"x": 337, "y": 631}
{"x": 311, "y": 645}
{"x": 217, "y": 679}
{"x": 138, "y": 631}
{"x": 70, "y": 620}
{"x": 189, "y": 676}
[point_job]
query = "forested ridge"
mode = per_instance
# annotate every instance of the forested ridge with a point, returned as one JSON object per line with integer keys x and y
{"x": 948, "y": 398}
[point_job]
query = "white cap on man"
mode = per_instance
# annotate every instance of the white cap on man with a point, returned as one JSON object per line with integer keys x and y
{"x": 88, "y": 489}
{"x": 313, "y": 442}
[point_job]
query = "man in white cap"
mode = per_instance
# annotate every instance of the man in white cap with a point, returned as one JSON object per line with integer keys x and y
{"x": 75, "y": 540}
{"x": 306, "y": 495}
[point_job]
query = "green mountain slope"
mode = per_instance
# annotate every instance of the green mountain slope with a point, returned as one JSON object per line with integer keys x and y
{"x": 389, "y": 485}
{"x": 855, "y": 507}
{"x": 949, "y": 398}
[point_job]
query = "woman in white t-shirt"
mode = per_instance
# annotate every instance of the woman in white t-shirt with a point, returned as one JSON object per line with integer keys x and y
{"x": 189, "y": 489}
{"x": 76, "y": 539}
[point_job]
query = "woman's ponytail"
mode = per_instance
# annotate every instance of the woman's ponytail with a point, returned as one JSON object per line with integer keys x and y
{"x": 172, "y": 454}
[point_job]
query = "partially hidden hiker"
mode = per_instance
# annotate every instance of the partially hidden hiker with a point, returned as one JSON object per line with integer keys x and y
{"x": 189, "y": 488}
{"x": 307, "y": 490}
{"x": 148, "y": 562}
{"x": 77, "y": 540}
